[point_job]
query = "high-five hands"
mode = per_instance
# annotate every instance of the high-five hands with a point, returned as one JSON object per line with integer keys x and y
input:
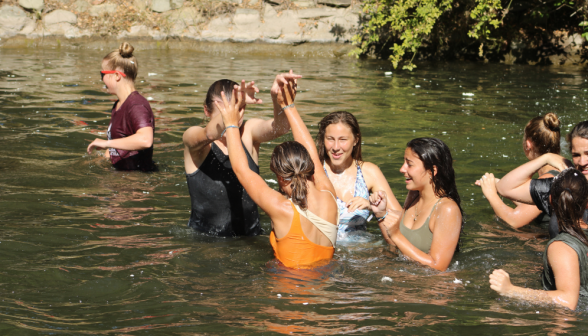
{"x": 283, "y": 82}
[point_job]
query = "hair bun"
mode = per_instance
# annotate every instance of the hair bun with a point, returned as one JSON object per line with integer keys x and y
{"x": 126, "y": 50}
{"x": 551, "y": 121}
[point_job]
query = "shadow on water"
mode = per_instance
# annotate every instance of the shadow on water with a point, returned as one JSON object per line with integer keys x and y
{"x": 89, "y": 250}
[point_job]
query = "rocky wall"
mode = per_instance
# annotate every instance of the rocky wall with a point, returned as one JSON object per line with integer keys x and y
{"x": 278, "y": 21}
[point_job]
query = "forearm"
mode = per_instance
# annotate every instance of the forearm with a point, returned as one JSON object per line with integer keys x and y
{"x": 237, "y": 154}
{"x": 513, "y": 217}
{"x": 512, "y": 184}
{"x": 215, "y": 128}
{"x": 539, "y": 296}
{"x": 133, "y": 142}
{"x": 300, "y": 132}
{"x": 280, "y": 124}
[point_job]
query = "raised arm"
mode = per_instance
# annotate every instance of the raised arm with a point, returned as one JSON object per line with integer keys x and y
{"x": 521, "y": 215}
{"x": 267, "y": 130}
{"x": 264, "y": 196}
{"x": 515, "y": 185}
{"x": 302, "y": 135}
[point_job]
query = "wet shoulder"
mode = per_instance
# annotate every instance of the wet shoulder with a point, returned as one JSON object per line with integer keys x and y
{"x": 449, "y": 211}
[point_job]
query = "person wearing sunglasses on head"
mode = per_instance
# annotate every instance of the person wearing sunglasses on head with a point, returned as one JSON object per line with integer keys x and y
{"x": 130, "y": 133}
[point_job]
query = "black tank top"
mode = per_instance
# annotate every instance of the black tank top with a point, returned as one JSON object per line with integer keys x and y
{"x": 220, "y": 205}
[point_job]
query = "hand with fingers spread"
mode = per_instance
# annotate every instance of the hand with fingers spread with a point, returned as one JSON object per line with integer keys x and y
{"x": 232, "y": 111}
{"x": 356, "y": 203}
{"x": 500, "y": 282}
{"x": 250, "y": 91}
{"x": 280, "y": 83}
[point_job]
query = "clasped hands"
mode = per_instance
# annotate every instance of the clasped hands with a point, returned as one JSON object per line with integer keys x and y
{"x": 390, "y": 225}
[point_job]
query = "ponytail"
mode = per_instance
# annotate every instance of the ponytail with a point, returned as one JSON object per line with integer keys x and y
{"x": 291, "y": 161}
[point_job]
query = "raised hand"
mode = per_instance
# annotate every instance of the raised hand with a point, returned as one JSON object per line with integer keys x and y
{"x": 250, "y": 90}
{"x": 232, "y": 111}
{"x": 280, "y": 82}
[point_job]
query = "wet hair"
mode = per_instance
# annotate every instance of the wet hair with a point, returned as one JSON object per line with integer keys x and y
{"x": 580, "y": 130}
{"x": 222, "y": 85}
{"x": 543, "y": 131}
{"x": 123, "y": 59}
{"x": 347, "y": 119}
{"x": 435, "y": 153}
{"x": 291, "y": 161}
{"x": 569, "y": 196}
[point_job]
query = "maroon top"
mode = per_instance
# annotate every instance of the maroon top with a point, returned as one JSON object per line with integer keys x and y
{"x": 135, "y": 113}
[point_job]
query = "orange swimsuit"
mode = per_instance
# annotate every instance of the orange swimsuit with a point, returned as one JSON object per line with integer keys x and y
{"x": 295, "y": 250}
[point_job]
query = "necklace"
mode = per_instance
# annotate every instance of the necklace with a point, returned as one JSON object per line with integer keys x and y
{"x": 416, "y": 211}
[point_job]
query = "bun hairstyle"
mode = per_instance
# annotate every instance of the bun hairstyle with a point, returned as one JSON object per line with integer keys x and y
{"x": 580, "y": 130}
{"x": 122, "y": 59}
{"x": 291, "y": 161}
{"x": 543, "y": 131}
{"x": 214, "y": 91}
{"x": 569, "y": 196}
{"x": 347, "y": 119}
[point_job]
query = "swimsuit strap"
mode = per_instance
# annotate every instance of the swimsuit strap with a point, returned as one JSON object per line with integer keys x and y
{"x": 324, "y": 226}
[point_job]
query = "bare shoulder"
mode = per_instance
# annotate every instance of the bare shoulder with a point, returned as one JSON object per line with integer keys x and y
{"x": 559, "y": 249}
{"x": 191, "y": 131}
{"x": 448, "y": 208}
{"x": 371, "y": 169}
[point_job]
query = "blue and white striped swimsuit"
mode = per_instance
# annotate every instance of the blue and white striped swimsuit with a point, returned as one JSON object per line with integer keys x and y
{"x": 356, "y": 220}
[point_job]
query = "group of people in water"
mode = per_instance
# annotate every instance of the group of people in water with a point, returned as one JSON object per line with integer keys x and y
{"x": 327, "y": 191}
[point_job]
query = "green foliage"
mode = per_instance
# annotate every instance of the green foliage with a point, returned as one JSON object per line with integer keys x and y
{"x": 411, "y": 20}
{"x": 476, "y": 29}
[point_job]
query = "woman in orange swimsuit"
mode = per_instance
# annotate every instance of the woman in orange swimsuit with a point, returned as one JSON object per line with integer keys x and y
{"x": 304, "y": 223}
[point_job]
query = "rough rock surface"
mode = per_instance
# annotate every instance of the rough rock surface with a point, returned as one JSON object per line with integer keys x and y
{"x": 60, "y": 16}
{"x": 12, "y": 19}
{"x": 161, "y": 6}
{"x": 175, "y": 4}
{"x": 35, "y": 5}
{"x": 82, "y": 5}
{"x": 103, "y": 9}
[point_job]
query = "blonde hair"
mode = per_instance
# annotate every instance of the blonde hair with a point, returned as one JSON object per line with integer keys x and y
{"x": 123, "y": 59}
{"x": 543, "y": 131}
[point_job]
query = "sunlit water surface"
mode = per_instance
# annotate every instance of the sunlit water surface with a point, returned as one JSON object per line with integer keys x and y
{"x": 88, "y": 250}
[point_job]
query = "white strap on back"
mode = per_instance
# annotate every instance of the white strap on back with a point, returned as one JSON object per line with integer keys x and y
{"x": 328, "y": 229}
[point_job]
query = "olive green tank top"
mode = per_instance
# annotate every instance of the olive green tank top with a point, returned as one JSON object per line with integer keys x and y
{"x": 421, "y": 238}
{"x": 548, "y": 278}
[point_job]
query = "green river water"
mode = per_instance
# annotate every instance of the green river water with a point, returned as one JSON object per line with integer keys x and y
{"x": 85, "y": 249}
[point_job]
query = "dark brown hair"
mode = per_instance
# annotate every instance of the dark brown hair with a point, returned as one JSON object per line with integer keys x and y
{"x": 435, "y": 153}
{"x": 569, "y": 196}
{"x": 580, "y": 130}
{"x": 291, "y": 161}
{"x": 123, "y": 59}
{"x": 347, "y": 119}
{"x": 543, "y": 131}
{"x": 222, "y": 85}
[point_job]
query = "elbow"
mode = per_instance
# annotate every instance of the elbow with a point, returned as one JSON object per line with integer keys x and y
{"x": 441, "y": 268}
{"x": 145, "y": 143}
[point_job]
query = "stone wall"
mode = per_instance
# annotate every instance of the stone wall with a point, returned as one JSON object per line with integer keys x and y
{"x": 276, "y": 21}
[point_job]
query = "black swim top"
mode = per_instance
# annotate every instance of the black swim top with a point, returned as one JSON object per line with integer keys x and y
{"x": 220, "y": 205}
{"x": 540, "y": 189}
